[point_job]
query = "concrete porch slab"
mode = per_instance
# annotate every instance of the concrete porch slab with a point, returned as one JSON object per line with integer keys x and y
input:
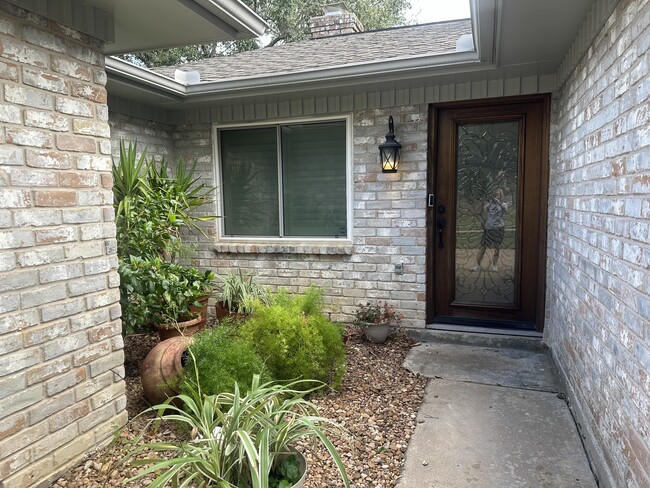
{"x": 492, "y": 417}
{"x": 522, "y": 368}
{"x": 482, "y": 436}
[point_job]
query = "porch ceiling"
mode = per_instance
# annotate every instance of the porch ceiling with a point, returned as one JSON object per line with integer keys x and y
{"x": 530, "y": 32}
{"x": 130, "y": 26}
{"x": 152, "y": 24}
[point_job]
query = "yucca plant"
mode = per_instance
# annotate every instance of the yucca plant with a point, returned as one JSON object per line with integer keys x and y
{"x": 182, "y": 190}
{"x": 153, "y": 204}
{"x": 128, "y": 181}
{"x": 237, "y": 438}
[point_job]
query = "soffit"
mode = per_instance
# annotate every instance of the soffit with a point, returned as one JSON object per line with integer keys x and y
{"x": 537, "y": 32}
{"x": 151, "y": 24}
{"x": 139, "y": 25}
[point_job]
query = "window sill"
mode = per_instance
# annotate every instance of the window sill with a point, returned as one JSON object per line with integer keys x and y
{"x": 316, "y": 247}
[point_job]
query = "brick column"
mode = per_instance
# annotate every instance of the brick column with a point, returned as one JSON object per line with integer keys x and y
{"x": 61, "y": 392}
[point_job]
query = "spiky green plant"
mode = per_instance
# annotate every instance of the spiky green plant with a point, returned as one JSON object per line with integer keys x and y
{"x": 237, "y": 437}
{"x": 239, "y": 292}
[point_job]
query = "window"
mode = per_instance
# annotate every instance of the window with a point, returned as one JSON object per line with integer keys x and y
{"x": 285, "y": 180}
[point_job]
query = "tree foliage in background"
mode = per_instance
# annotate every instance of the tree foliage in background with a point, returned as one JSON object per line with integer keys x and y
{"x": 288, "y": 22}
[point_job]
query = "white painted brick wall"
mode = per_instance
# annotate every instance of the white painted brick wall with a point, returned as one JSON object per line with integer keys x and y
{"x": 59, "y": 314}
{"x": 598, "y": 289}
{"x": 155, "y": 137}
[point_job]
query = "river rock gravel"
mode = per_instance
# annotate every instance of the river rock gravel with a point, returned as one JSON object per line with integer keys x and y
{"x": 377, "y": 404}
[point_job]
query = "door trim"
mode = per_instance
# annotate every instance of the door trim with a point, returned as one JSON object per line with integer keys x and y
{"x": 432, "y": 151}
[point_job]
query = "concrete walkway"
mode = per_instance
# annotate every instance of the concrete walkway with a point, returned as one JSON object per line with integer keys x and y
{"x": 492, "y": 418}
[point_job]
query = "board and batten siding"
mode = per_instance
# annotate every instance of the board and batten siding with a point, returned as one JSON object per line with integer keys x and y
{"x": 281, "y": 107}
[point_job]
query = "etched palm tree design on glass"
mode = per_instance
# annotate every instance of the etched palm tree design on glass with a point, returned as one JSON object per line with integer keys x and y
{"x": 486, "y": 213}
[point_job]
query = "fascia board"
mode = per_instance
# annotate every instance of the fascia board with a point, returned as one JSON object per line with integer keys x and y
{"x": 236, "y": 14}
{"x": 143, "y": 77}
{"x": 308, "y": 80}
{"x": 484, "y": 15}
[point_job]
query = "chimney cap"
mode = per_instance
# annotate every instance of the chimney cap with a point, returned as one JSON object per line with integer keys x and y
{"x": 335, "y": 8}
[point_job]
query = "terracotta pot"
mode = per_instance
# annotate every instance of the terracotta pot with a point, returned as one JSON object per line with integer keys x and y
{"x": 162, "y": 367}
{"x": 221, "y": 311}
{"x": 377, "y": 333}
{"x": 345, "y": 336}
{"x": 186, "y": 328}
{"x": 202, "y": 311}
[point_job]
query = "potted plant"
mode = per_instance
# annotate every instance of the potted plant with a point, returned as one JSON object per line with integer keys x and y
{"x": 236, "y": 294}
{"x": 161, "y": 293}
{"x": 375, "y": 319}
{"x": 237, "y": 440}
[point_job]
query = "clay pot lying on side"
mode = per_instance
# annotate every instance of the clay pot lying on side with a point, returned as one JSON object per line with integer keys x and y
{"x": 162, "y": 368}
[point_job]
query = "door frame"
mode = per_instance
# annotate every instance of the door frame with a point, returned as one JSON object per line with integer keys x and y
{"x": 432, "y": 162}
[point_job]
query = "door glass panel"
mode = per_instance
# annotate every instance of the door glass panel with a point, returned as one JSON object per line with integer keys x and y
{"x": 486, "y": 214}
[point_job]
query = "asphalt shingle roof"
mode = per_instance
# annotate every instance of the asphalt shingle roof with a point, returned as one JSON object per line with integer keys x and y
{"x": 329, "y": 52}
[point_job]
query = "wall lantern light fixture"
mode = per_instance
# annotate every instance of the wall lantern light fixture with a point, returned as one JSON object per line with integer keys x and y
{"x": 389, "y": 151}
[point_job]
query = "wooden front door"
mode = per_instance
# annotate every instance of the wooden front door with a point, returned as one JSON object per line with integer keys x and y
{"x": 488, "y": 177}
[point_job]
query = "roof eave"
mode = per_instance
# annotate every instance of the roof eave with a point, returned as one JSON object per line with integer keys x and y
{"x": 235, "y": 14}
{"x": 340, "y": 76}
{"x": 370, "y": 72}
{"x": 143, "y": 78}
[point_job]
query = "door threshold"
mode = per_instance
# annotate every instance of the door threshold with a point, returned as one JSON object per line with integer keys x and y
{"x": 470, "y": 329}
{"x": 463, "y": 335}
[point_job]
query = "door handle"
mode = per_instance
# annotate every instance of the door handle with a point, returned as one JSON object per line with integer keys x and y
{"x": 440, "y": 224}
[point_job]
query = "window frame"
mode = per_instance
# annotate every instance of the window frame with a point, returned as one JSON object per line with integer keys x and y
{"x": 349, "y": 180}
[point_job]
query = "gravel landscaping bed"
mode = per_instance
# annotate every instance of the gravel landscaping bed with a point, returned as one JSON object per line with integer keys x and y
{"x": 377, "y": 404}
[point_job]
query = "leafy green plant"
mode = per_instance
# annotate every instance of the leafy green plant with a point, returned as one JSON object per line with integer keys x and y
{"x": 294, "y": 338}
{"x": 155, "y": 291}
{"x": 238, "y": 292}
{"x": 183, "y": 192}
{"x": 287, "y": 474}
{"x": 221, "y": 359}
{"x": 238, "y": 438}
{"x": 153, "y": 206}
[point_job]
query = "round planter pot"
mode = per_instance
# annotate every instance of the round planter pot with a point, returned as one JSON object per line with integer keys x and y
{"x": 377, "y": 333}
{"x": 202, "y": 311}
{"x": 162, "y": 367}
{"x": 186, "y": 328}
{"x": 302, "y": 465}
{"x": 221, "y": 312}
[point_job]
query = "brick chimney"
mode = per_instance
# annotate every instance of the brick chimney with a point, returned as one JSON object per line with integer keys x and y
{"x": 337, "y": 19}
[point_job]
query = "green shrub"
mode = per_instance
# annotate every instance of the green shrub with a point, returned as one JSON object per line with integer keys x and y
{"x": 154, "y": 291}
{"x": 221, "y": 359}
{"x": 295, "y": 340}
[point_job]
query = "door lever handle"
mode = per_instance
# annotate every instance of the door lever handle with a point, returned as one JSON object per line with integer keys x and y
{"x": 440, "y": 224}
